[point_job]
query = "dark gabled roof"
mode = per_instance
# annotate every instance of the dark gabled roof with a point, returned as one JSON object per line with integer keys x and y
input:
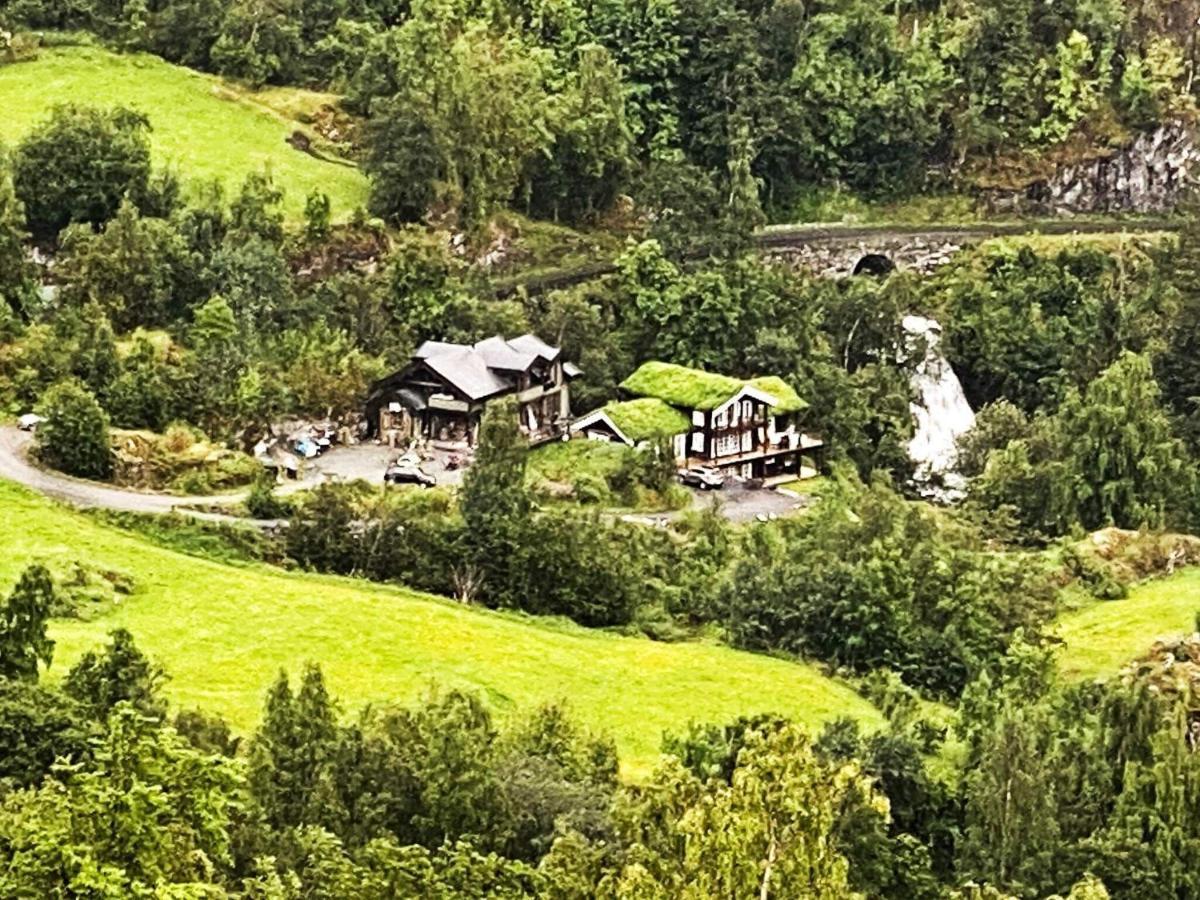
{"x": 467, "y": 372}
{"x": 531, "y": 343}
{"x": 481, "y": 370}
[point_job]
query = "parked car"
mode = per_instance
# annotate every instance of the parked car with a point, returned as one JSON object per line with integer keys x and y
{"x": 405, "y": 473}
{"x": 29, "y": 421}
{"x": 704, "y": 477}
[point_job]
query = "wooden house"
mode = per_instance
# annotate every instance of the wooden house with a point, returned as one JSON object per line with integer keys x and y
{"x": 442, "y": 392}
{"x": 748, "y": 428}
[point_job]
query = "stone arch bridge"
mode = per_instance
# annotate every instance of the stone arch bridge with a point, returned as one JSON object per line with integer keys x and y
{"x": 839, "y": 250}
{"x": 879, "y": 250}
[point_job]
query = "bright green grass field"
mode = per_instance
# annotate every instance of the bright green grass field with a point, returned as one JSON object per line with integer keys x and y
{"x": 223, "y": 633}
{"x": 203, "y": 127}
{"x": 1103, "y": 637}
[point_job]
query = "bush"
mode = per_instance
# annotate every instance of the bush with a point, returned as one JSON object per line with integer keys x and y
{"x": 261, "y": 502}
{"x": 73, "y": 437}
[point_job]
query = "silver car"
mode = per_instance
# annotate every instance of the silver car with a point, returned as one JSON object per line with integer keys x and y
{"x": 706, "y": 478}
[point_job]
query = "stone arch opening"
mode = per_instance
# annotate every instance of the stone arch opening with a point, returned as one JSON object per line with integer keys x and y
{"x": 876, "y": 264}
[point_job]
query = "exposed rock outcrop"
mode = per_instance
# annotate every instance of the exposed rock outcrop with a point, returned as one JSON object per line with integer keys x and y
{"x": 1149, "y": 175}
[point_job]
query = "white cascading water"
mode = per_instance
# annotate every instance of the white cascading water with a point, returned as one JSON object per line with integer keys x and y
{"x": 942, "y": 414}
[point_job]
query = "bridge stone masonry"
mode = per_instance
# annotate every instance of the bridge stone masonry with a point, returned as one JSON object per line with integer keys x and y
{"x": 839, "y": 250}
{"x": 840, "y": 256}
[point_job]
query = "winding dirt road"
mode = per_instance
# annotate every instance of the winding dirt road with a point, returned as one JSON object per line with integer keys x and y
{"x": 15, "y": 466}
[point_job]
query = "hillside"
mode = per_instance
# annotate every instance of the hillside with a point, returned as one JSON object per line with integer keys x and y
{"x": 223, "y": 633}
{"x": 1103, "y": 637}
{"x": 202, "y": 126}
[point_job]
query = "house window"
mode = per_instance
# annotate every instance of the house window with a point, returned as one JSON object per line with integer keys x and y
{"x": 728, "y": 444}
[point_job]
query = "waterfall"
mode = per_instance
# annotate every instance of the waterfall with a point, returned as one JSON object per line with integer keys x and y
{"x": 941, "y": 412}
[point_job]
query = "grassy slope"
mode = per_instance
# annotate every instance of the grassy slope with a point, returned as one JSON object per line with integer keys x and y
{"x": 223, "y": 632}
{"x": 203, "y": 127}
{"x": 1104, "y": 636}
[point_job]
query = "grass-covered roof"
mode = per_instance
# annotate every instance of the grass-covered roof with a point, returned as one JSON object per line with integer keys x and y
{"x": 696, "y": 389}
{"x": 789, "y": 400}
{"x": 647, "y": 418}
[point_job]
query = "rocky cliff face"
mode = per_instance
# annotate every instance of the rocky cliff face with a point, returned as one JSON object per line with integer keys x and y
{"x": 1150, "y": 175}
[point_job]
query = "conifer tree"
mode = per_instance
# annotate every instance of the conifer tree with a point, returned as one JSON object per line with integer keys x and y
{"x": 496, "y": 505}
{"x": 292, "y": 754}
{"x": 17, "y": 285}
{"x": 1177, "y": 369}
{"x": 23, "y": 639}
{"x": 120, "y": 673}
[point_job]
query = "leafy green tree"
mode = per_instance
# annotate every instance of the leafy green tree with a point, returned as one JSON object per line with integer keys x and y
{"x": 120, "y": 673}
{"x": 470, "y": 108}
{"x": 996, "y": 426}
{"x": 257, "y": 209}
{"x": 73, "y": 436}
{"x": 219, "y": 354}
{"x": 260, "y": 41}
{"x": 18, "y": 289}
{"x": 145, "y": 815}
{"x": 141, "y": 396}
{"x": 79, "y": 164}
{"x": 861, "y": 103}
{"x": 1023, "y": 325}
{"x": 870, "y": 581}
{"x": 133, "y": 269}
{"x": 644, "y": 38}
{"x": 316, "y": 216}
{"x": 767, "y": 830}
{"x": 23, "y": 639}
{"x": 184, "y": 31}
{"x": 1129, "y": 468}
{"x": 591, "y": 156}
{"x": 587, "y": 567}
{"x": 252, "y": 275}
{"x": 321, "y": 531}
{"x": 95, "y": 361}
{"x": 1176, "y": 370}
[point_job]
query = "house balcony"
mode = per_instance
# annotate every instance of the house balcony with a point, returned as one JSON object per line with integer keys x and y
{"x": 798, "y": 444}
{"x": 538, "y": 391}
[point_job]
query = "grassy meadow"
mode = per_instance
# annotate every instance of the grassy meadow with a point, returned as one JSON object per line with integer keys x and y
{"x": 1102, "y": 637}
{"x": 203, "y": 127}
{"x": 224, "y": 631}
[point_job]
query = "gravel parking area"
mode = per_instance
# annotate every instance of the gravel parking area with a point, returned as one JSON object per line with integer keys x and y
{"x": 737, "y": 503}
{"x": 370, "y": 460}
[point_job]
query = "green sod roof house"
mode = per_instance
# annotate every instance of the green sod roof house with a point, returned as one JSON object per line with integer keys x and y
{"x": 746, "y": 426}
{"x": 694, "y": 389}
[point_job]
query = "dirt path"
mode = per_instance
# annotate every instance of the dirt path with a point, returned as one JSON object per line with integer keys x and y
{"x": 15, "y": 466}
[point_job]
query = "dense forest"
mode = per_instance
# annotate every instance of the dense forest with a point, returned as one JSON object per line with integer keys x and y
{"x": 715, "y": 109}
{"x": 660, "y": 134}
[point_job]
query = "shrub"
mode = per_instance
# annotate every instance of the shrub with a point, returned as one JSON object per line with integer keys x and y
{"x": 262, "y": 503}
{"x": 73, "y": 436}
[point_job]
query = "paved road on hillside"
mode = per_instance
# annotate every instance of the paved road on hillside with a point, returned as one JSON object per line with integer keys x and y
{"x": 15, "y": 466}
